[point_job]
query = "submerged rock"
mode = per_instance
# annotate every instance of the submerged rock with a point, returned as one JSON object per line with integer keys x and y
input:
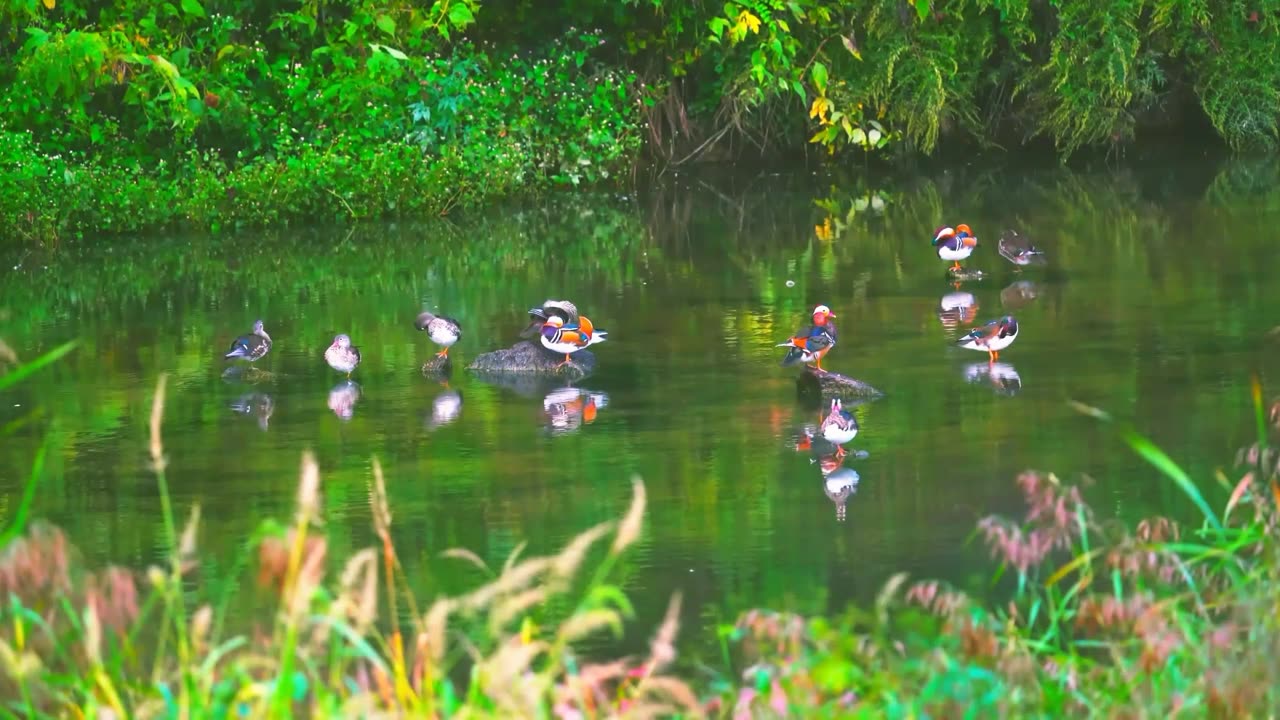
{"x": 830, "y": 385}
{"x": 964, "y": 274}
{"x": 525, "y": 358}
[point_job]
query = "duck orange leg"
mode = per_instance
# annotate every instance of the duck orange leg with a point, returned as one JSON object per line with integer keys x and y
{"x": 955, "y": 266}
{"x": 565, "y": 361}
{"x": 443, "y": 353}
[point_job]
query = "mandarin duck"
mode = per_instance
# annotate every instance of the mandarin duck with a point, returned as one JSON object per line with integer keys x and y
{"x": 1018, "y": 250}
{"x": 954, "y": 244}
{"x": 992, "y": 337}
{"x": 565, "y": 339}
{"x": 342, "y": 355}
{"x": 839, "y": 427}
{"x": 441, "y": 330}
{"x": 565, "y": 310}
{"x": 251, "y": 347}
{"x": 812, "y": 344}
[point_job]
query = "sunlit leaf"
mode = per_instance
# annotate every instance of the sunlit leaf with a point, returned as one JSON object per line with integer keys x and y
{"x": 386, "y": 24}
{"x": 460, "y": 15}
{"x": 193, "y": 8}
{"x": 819, "y": 75}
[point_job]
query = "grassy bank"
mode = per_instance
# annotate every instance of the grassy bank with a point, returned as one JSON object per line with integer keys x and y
{"x": 123, "y": 116}
{"x": 1093, "y": 618}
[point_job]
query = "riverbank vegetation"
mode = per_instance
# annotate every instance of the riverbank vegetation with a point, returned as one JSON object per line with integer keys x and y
{"x": 124, "y": 116}
{"x": 1088, "y": 616}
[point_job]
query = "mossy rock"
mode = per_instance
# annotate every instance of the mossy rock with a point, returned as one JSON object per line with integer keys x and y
{"x": 525, "y": 358}
{"x": 827, "y": 385}
{"x": 438, "y": 367}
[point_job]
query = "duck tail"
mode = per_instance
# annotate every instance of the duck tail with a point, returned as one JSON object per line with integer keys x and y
{"x": 239, "y": 350}
{"x": 598, "y": 336}
{"x": 793, "y": 356}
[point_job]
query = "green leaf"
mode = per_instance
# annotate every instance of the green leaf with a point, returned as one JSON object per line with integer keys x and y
{"x": 390, "y": 51}
{"x": 922, "y": 8}
{"x": 819, "y": 75}
{"x": 718, "y": 26}
{"x": 460, "y": 15}
{"x": 386, "y": 24}
{"x": 193, "y": 8}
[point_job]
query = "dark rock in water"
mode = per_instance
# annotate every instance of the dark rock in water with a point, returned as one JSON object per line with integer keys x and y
{"x": 438, "y": 367}
{"x": 525, "y": 358}
{"x": 828, "y": 385}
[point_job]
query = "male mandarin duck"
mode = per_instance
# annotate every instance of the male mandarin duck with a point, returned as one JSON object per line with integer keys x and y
{"x": 992, "y": 337}
{"x": 955, "y": 244}
{"x": 566, "y": 340}
{"x": 839, "y": 427}
{"x": 252, "y": 346}
{"x": 441, "y": 330}
{"x": 1018, "y": 250}
{"x": 342, "y": 355}
{"x": 565, "y": 310}
{"x": 812, "y": 344}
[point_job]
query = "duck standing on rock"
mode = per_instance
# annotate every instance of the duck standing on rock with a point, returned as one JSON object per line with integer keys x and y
{"x": 812, "y": 344}
{"x": 342, "y": 355}
{"x": 954, "y": 244}
{"x": 839, "y": 427}
{"x": 992, "y": 337}
{"x": 441, "y": 330}
{"x": 251, "y": 347}
{"x": 568, "y": 339}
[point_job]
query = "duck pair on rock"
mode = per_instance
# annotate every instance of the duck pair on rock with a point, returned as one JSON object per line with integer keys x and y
{"x": 956, "y": 244}
{"x": 562, "y": 330}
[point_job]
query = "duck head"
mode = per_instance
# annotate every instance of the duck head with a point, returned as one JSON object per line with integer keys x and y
{"x": 341, "y": 341}
{"x": 423, "y": 320}
{"x": 943, "y": 233}
{"x": 821, "y": 314}
{"x": 537, "y": 318}
{"x": 551, "y": 326}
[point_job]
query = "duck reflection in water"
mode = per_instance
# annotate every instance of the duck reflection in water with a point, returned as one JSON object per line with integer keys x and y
{"x": 957, "y": 308}
{"x": 343, "y": 398}
{"x": 445, "y": 408}
{"x": 838, "y": 482}
{"x": 567, "y": 408}
{"x": 257, "y": 404}
{"x": 839, "y": 485}
{"x": 1002, "y": 377}
{"x": 1019, "y": 294}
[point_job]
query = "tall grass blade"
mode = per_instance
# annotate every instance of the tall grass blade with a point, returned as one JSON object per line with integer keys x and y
{"x": 19, "y": 522}
{"x": 1157, "y": 457}
{"x": 1148, "y": 451}
{"x": 31, "y": 368}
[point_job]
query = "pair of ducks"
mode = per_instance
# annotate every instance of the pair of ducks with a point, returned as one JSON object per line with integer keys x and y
{"x": 812, "y": 344}
{"x": 956, "y": 244}
{"x": 341, "y": 355}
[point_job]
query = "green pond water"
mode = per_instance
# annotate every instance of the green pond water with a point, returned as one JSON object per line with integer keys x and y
{"x": 1155, "y": 306}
